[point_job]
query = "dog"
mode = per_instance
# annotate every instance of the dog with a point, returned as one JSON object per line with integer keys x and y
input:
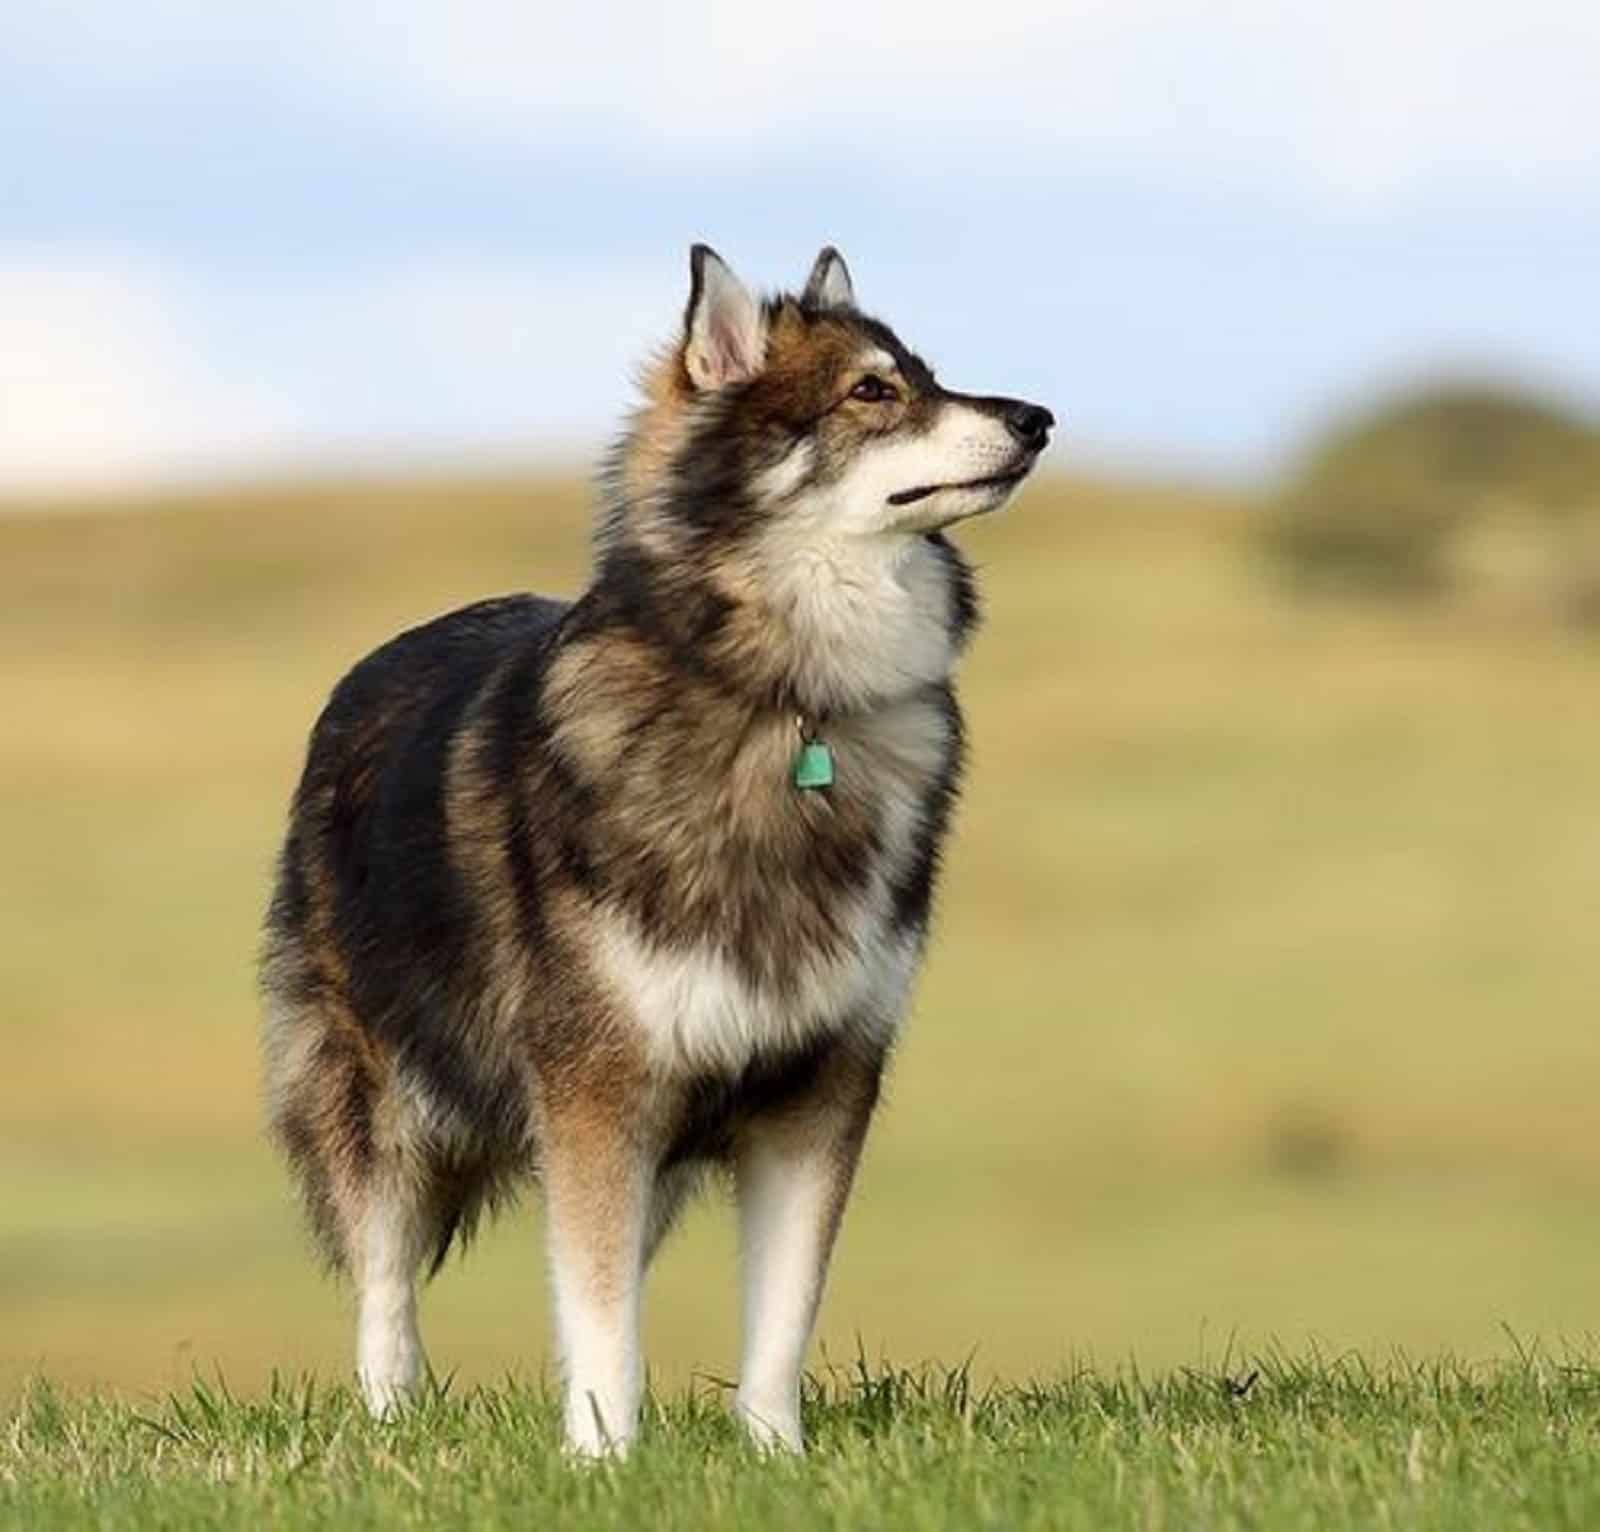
{"x": 610, "y": 892}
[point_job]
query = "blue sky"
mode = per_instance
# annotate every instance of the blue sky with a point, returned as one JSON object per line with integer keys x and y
{"x": 251, "y": 236}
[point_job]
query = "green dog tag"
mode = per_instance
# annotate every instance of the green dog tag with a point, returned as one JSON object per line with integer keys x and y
{"x": 813, "y": 767}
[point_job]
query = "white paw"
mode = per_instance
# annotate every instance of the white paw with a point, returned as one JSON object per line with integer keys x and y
{"x": 587, "y": 1438}
{"x": 774, "y": 1426}
{"x": 386, "y": 1397}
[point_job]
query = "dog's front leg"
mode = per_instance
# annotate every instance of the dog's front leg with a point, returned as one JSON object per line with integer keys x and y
{"x": 794, "y": 1166}
{"x": 596, "y": 1197}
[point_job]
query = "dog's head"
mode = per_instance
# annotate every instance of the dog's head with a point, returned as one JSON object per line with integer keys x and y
{"x": 775, "y": 507}
{"x": 805, "y": 404}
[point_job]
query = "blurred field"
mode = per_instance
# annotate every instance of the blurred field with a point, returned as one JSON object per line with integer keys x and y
{"x": 1263, "y": 1002}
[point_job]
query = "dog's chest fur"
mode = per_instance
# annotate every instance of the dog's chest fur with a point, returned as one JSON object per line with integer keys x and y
{"x": 733, "y": 914}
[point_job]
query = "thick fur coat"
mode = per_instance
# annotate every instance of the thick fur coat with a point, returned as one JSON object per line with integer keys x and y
{"x": 553, "y": 903}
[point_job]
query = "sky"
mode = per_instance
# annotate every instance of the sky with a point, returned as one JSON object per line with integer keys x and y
{"x": 281, "y": 236}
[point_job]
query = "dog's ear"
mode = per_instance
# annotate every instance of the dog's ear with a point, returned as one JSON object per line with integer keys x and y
{"x": 725, "y": 332}
{"x": 829, "y": 285}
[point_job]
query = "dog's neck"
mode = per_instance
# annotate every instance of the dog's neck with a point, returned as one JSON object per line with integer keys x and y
{"x": 858, "y": 624}
{"x": 818, "y": 627}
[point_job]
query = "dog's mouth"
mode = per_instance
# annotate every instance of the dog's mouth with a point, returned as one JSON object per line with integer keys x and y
{"x": 994, "y": 481}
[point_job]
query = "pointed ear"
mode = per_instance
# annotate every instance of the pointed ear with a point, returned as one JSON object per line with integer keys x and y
{"x": 829, "y": 285}
{"x": 725, "y": 333}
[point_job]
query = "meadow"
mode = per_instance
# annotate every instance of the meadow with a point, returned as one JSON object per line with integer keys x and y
{"x": 1287, "y": 1444}
{"x": 1260, "y": 1022}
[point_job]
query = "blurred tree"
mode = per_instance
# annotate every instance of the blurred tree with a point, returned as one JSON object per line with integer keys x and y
{"x": 1380, "y": 503}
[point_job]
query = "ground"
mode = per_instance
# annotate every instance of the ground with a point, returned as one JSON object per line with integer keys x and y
{"x": 1260, "y": 1011}
{"x": 1269, "y": 1443}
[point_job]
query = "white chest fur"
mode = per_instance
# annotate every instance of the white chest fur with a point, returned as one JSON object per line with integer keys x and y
{"x": 699, "y": 1013}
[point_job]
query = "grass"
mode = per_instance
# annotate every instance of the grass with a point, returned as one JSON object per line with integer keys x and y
{"x": 1261, "y": 999}
{"x": 1275, "y": 1443}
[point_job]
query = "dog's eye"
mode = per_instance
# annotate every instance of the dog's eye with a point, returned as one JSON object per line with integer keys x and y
{"x": 873, "y": 390}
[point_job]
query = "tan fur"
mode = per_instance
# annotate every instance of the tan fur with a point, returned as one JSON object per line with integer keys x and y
{"x": 658, "y": 426}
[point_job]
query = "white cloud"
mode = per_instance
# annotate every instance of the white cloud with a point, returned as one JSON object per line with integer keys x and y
{"x": 101, "y": 387}
{"x": 464, "y": 351}
{"x": 112, "y": 375}
{"x": 1367, "y": 100}
{"x": 1367, "y": 103}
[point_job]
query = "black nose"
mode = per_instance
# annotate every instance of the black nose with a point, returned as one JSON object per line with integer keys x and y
{"x": 1030, "y": 424}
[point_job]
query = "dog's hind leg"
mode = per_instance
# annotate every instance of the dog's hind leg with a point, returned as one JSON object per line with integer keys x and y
{"x": 376, "y": 1214}
{"x": 793, "y": 1167}
{"x": 393, "y": 1235}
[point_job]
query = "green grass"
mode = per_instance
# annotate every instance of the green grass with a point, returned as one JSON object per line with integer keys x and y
{"x": 1261, "y": 1000}
{"x": 1271, "y": 1442}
